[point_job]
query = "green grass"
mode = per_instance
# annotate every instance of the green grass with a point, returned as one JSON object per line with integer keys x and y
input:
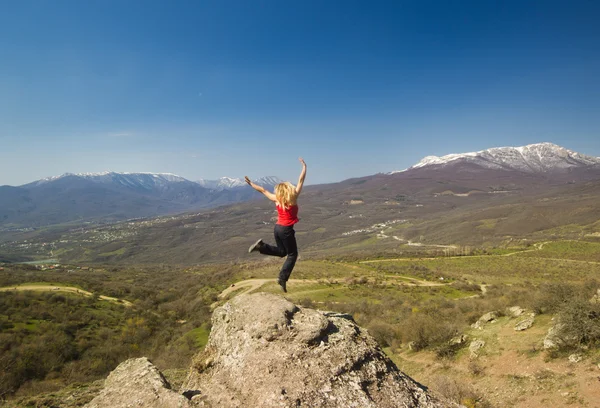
{"x": 200, "y": 336}
{"x": 344, "y": 293}
{"x": 497, "y": 269}
{"x": 504, "y": 251}
{"x": 305, "y": 269}
{"x": 31, "y": 325}
{"x": 116, "y": 252}
{"x": 574, "y": 250}
{"x": 61, "y": 284}
{"x": 488, "y": 224}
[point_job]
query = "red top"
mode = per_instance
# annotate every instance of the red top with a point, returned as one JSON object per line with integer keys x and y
{"x": 287, "y": 216}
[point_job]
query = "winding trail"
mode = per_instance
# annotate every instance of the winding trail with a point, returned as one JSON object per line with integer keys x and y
{"x": 69, "y": 289}
{"x": 251, "y": 285}
{"x": 538, "y": 247}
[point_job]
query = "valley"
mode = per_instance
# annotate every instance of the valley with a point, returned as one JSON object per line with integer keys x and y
{"x": 417, "y": 257}
{"x": 414, "y": 307}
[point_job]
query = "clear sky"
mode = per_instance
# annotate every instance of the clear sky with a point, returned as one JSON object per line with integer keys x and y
{"x": 206, "y": 89}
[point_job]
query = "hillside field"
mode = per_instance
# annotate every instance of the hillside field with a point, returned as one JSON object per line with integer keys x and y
{"x": 414, "y": 306}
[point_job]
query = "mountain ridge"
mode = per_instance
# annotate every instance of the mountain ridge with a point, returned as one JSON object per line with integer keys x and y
{"x": 533, "y": 158}
{"x": 112, "y": 197}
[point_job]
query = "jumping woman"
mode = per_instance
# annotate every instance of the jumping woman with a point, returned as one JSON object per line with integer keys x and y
{"x": 285, "y": 199}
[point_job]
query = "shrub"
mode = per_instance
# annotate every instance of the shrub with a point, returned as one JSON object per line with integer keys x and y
{"x": 458, "y": 392}
{"x": 579, "y": 324}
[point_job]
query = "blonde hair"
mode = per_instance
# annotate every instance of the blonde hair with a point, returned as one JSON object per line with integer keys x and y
{"x": 285, "y": 193}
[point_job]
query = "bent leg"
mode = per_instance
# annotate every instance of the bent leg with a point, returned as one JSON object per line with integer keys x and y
{"x": 278, "y": 250}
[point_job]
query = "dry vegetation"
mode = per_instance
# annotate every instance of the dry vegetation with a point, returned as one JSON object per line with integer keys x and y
{"x": 415, "y": 307}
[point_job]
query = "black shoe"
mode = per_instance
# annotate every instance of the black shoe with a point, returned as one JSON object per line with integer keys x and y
{"x": 256, "y": 246}
{"x": 282, "y": 284}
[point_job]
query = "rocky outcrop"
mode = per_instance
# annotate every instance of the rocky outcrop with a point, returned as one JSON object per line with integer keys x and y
{"x": 489, "y": 317}
{"x": 525, "y": 323}
{"x": 553, "y": 339}
{"x": 264, "y": 351}
{"x": 137, "y": 383}
{"x": 475, "y": 346}
{"x": 596, "y": 298}
{"x": 458, "y": 340}
{"x": 515, "y": 311}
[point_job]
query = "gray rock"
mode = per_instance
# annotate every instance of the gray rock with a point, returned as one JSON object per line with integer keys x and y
{"x": 137, "y": 383}
{"x": 554, "y": 340}
{"x": 459, "y": 339}
{"x": 524, "y": 324}
{"x": 596, "y": 298}
{"x": 264, "y": 351}
{"x": 551, "y": 341}
{"x": 489, "y": 317}
{"x": 575, "y": 358}
{"x": 475, "y": 346}
{"x": 515, "y": 311}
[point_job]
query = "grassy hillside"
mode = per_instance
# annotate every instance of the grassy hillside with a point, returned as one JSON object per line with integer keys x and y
{"x": 363, "y": 219}
{"x": 414, "y": 306}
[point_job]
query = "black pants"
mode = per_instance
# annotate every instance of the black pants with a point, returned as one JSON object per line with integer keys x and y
{"x": 285, "y": 237}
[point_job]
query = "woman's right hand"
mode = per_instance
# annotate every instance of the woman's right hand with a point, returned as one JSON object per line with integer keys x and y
{"x": 247, "y": 180}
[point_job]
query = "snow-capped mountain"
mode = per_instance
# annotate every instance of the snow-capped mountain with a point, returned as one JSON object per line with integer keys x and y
{"x": 228, "y": 183}
{"x": 222, "y": 183}
{"x": 533, "y": 158}
{"x": 133, "y": 180}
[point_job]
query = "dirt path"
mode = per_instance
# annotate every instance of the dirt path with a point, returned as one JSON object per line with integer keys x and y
{"x": 411, "y": 281}
{"x": 538, "y": 246}
{"x": 251, "y": 285}
{"x": 69, "y": 289}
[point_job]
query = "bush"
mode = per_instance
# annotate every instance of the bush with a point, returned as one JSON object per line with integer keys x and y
{"x": 426, "y": 331}
{"x": 579, "y": 324}
{"x": 551, "y": 297}
{"x": 459, "y": 392}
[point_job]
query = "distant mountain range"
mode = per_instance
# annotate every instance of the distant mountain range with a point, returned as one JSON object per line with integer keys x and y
{"x": 112, "y": 197}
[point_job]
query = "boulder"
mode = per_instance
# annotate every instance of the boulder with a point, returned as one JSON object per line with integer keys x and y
{"x": 475, "y": 346}
{"x": 264, "y": 351}
{"x": 552, "y": 339}
{"x": 596, "y": 298}
{"x": 515, "y": 311}
{"x": 525, "y": 323}
{"x": 137, "y": 383}
{"x": 457, "y": 340}
{"x": 489, "y": 317}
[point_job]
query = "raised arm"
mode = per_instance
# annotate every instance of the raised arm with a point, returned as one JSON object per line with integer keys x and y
{"x": 260, "y": 189}
{"x": 302, "y": 176}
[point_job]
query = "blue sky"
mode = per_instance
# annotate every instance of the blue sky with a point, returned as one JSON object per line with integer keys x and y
{"x": 206, "y": 89}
